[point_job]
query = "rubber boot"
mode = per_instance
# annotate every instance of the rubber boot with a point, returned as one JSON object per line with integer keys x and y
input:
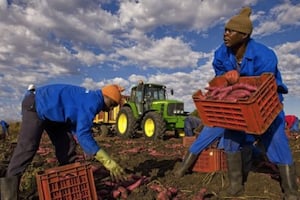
{"x": 9, "y": 188}
{"x": 246, "y": 162}
{"x": 235, "y": 174}
{"x": 288, "y": 182}
{"x": 188, "y": 161}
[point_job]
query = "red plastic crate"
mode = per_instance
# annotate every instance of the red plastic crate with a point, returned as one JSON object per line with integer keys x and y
{"x": 211, "y": 160}
{"x": 187, "y": 141}
{"x": 68, "y": 182}
{"x": 253, "y": 115}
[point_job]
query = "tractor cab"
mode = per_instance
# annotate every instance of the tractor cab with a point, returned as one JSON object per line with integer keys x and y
{"x": 144, "y": 94}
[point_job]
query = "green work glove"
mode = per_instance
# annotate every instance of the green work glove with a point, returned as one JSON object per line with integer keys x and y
{"x": 116, "y": 172}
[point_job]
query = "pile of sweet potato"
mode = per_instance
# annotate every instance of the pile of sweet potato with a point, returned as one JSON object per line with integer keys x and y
{"x": 231, "y": 93}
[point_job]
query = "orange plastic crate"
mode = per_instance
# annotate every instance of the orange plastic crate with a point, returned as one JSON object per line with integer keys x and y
{"x": 187, "y": 141}
{"x": 211, "y": 160}
{"x": 68, "y": 182}
{"x": 253, "y": 115}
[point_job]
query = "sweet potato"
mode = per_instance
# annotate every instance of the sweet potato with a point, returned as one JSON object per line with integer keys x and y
{"x": 218, "y": 81}
{"x": 156, "y": 187}
{"x": 239, "y": 93}
{"x": 200, "y": 195}
{"x": 163, "y": 195}
{"x": 51, "y": 160}
{"x": 198, "y": 95}
{"x": 244, "y": 86}
{"x": 135, "y": 185}
{"x": 123, "y": 191}
{"x": 173, "y": 190}
{"x": 116, "y": 193}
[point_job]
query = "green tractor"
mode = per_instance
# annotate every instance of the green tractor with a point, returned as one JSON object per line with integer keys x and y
{"x": 148, "y": 110}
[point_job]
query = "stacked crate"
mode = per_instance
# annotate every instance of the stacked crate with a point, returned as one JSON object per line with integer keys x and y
{"x": 68, "y": 182}
{"x": 211, "y": 159}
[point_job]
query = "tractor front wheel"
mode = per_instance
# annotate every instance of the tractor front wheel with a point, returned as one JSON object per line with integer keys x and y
{"x": 153, "y": 126}
{"x": 126, "y": 123}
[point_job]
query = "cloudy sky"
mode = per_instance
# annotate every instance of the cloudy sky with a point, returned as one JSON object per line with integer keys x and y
{"x": 92, "y": 43}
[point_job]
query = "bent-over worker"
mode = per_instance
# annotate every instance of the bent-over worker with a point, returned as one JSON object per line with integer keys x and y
{"x": 61, "y": 110}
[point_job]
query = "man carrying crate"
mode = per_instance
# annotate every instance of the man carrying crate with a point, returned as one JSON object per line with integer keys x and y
{"x": 240, "y": 55}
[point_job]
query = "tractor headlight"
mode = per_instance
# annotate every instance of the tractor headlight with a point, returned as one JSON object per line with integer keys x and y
{"x": 175, "y": 109}
{"x": 178, "y": 112}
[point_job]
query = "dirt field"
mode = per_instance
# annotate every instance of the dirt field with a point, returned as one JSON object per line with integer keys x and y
{"x": 152, "y": 162}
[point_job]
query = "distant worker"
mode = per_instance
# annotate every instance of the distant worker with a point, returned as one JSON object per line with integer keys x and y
{"x": 292, "y": 123}
{"x": 31, "y": 88}
{"x": 139, "y": 96}
{"x": 140, "y": 82}
{"x": 5, "y": 129}
{"x": 62, "y": 111}
{"x": 192, "y": 125}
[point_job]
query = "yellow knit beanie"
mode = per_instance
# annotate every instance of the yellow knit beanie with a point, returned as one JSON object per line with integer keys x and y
{"x": 241, "y": 22}
{"x": 113, "y": 92}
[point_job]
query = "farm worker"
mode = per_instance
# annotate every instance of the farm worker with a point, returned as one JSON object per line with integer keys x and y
{"x": 30, "y": 89}
{"x": 60, "y": 109}
{"x": 5, "y": 129}
{"x": 192, "y": 125}
{"x": 240, "y": 55}
{"x": 292, "y": 123}
{"x": 139, "y": 96}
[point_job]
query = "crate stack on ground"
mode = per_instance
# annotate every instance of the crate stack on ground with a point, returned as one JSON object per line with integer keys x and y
{"x": 209, "y": 160}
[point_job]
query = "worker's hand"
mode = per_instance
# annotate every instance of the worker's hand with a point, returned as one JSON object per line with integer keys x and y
{"x": 116, "y": 172}
{"x": 232, "y": 76}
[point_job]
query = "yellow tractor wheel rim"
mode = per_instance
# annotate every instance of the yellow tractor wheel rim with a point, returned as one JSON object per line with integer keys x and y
{"x": 122, "y": 123}
{"x": 149, "y": 127}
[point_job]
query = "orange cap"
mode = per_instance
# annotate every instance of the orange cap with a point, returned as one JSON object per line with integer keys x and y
{"x": 113, "y": 92}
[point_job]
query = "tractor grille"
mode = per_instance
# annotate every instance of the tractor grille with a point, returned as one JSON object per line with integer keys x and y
{"x": 175, "y": 109}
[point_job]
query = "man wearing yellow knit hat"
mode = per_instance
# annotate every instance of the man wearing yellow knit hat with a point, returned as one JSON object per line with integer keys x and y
{"x": 60, "y": 110}
{"x": 240, "y": 55}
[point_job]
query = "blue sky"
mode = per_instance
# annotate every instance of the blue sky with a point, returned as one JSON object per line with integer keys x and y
{"x": 92, "y": 43}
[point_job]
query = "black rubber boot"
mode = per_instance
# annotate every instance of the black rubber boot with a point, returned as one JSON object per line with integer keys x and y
{"x": 246, "y": 162}
{"x": 10, "y": 188}
{"x": 188, "y": 161}
{"x": 235, "y": 175}
{"x": 288, "y": 182}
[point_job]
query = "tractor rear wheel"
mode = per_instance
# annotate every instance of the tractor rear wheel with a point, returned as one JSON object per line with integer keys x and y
{"x": 153, "y": 125}
{"x": 126, "y": 124}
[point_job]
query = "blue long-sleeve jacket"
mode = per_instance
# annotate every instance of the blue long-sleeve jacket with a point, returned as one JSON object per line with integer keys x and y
{"x": 71, "y": 104}
{"x": 257, "y": 59}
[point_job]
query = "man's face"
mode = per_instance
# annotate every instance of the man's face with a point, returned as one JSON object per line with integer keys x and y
{"x": 109, "y": 105}
{"x": 233, "y": 38}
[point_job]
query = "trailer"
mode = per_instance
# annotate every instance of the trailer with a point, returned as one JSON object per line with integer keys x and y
{"x": 104, "y": 122}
